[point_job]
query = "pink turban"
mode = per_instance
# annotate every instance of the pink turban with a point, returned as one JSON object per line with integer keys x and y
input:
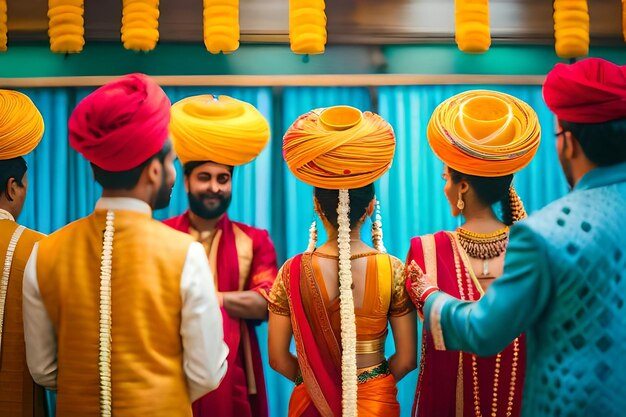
{"x": 121, "y": 124}
{"x": 589, "y": 91}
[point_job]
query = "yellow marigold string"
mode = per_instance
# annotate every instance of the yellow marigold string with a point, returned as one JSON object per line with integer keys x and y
{"x": 3, "y": 25}
{"x": 571, "y": 28}
{"x": 140, "y": 24}
{"x": 472, "y": 25}
{"x": 66, "y": 25}
{"x": 624, "y": 19}
{"x": 221, "y": 26}
{"x": 307, "y": 26}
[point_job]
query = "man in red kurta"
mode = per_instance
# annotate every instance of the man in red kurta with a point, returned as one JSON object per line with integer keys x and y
{"x": 211, "y": 135}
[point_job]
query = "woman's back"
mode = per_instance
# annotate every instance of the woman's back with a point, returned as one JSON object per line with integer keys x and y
{"x": 378, "y": 293}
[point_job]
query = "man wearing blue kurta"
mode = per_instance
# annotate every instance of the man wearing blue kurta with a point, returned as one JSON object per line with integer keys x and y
{"x": 564, "y": 281}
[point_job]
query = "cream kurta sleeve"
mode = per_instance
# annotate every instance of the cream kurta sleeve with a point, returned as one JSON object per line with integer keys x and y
{"x": 204, "y": 350}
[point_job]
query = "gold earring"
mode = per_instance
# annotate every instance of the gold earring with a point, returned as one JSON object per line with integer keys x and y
{"x": 460, "y": 204}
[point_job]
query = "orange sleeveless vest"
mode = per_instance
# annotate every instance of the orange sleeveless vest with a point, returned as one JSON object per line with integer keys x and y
{"x": 146, "y": 359}
{"x": 19, "y": 395}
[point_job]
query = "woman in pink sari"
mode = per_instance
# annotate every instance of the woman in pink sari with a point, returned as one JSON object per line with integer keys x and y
{"x": 483, "y": 137}
{"x": 338, "y": 299}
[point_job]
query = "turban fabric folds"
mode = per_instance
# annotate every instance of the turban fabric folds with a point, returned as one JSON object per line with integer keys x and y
{"x": 592, "y": 90}
{"x": 121, "y": 124}
{"x": 339, "y": 147}
{"x": 21, "y": 125}
{"x": 218, "y": 129}
{"x": 484, "y": 133}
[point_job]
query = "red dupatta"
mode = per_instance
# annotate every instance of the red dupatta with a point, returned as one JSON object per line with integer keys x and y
{"x": 446, "y": 389}
{"x": 319, "y": 353}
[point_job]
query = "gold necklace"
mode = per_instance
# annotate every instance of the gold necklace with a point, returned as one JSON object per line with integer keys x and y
{"x": 484, "y": 245}
{"x": 459, "y": 267}
{"x": 496, "y": 377}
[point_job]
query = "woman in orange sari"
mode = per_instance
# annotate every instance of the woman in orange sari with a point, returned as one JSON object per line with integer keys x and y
{"x": 337, "y": 299}
{"x": 483, "y": 137}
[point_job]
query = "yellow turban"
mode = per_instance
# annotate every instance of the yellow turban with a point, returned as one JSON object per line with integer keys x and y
{"x": 484, "y": 133}
{"x": 21, "y": 125}
{"x": 339, "y": 147}
{"x": 223, "y": 130}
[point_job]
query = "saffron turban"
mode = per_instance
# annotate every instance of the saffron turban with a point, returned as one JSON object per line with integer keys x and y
{"x": 484, "y": 133}
{"x": 218, "y": 129}
{"x": 339, "y": 147}
{"x": 121, "y": 124}
{"x": 21, "y": 125}
{"x": 589, "y": 91}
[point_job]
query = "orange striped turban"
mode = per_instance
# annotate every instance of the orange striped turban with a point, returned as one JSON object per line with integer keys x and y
{"x": 21, "y": 125}
{"x": 219, "y": 129}
{"x": 484, "y": 133}
{"x": 339, "y": 147}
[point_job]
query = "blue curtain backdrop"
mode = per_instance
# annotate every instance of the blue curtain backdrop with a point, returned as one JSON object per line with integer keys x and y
{"x": 266, "y": 195}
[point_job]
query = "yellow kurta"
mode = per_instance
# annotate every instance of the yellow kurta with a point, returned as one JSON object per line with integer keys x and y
{"x": 19, "y": 396}
{"x": 147, "y": 352}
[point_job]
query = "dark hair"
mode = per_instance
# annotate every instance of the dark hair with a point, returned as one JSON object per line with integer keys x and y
{"x": 603, "y": 143}
{"x": 489, "y": 190}
{"x": 127, "y": 180}
{"x": 12, "y": 168}
{"x": 359, "y": 200}
{"x": 191, "y": 165}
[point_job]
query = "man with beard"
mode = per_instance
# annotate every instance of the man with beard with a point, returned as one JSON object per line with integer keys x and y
{"x": 119, "y": 315}
{"x": 211, "y": 135}
{"x": 563, "y": 282}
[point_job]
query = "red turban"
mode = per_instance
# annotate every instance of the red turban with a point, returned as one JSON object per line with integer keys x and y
{"x": 121, "y": 124}
{"x": 589, "y": 91}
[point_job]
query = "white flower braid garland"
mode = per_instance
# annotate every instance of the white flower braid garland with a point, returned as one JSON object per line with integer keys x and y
{"x": 312, "y": 237}
{"x": 104, "y": 357}
{"x": 377, "y": 230}
{"x": 346, "y": 305}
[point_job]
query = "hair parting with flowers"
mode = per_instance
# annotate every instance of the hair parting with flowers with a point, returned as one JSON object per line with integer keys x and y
{"x": 346, "y": 310}
{"x": 348, "y": 320}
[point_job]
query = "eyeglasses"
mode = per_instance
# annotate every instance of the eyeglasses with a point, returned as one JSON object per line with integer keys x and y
{"x": 562, "y": 132}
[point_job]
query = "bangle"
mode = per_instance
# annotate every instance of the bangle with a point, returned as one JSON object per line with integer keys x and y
{"x": 424, "y": 296}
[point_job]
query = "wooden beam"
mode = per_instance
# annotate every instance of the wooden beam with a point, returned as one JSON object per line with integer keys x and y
{"x": 343, "y": 80}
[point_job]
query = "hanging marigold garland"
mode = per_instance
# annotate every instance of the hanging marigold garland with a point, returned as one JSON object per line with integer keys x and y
{"x": 307, "y": 26}
{"x": 3, "y": 25}
{"x": 624, "y": 19}
{"x": 66, "y": 25}
{"x": 140, "y": 24}
{"x": 472, "y": 25}
{"x": 571, "y": 28}
{"x": 221, "y": 26}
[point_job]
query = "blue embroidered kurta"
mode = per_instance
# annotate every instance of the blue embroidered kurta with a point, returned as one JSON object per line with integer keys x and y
{"x": 564, "y": 284}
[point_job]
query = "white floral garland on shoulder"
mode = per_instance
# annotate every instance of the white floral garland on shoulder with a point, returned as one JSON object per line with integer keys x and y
{"x": 104, "y": 357}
